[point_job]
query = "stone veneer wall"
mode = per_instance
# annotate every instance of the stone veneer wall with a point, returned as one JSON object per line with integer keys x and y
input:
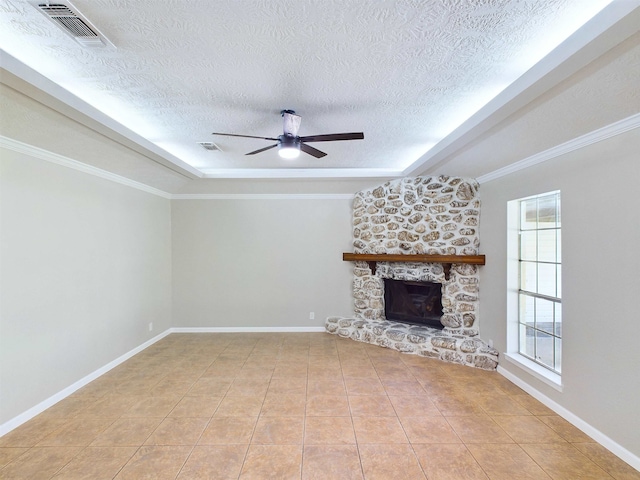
{"x": 432, "y": 215}
{"x": 422, "y": 215}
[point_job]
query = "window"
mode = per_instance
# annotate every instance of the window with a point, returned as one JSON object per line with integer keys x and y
{"x": 539, "y": 283}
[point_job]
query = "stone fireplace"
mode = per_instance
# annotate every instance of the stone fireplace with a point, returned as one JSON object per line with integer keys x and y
{"x": 422, "y": 215}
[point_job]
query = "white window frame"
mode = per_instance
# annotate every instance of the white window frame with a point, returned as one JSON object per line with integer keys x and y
{"x": 513, "y": 355}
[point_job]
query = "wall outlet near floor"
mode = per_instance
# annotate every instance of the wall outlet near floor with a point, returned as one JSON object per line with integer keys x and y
{"x": 312, "y": 315}
{"x": 151, "y": 326}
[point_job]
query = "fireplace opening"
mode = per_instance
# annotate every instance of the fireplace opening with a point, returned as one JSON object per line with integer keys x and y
{"x": 418, "y": 303}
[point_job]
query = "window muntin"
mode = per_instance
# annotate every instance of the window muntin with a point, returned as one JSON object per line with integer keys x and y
{"x": 539, "y": 291}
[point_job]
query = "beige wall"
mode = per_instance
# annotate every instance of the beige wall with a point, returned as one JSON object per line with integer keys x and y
{"x": 85, "y": 266}
{"x": 260, "y": 263}
{"x": 600, "y": 239}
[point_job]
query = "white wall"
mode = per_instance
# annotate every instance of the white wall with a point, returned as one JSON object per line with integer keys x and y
{"x": 84, "y": 267}
{"x": 260, "y": 263}
{"x": 600, "y": 284}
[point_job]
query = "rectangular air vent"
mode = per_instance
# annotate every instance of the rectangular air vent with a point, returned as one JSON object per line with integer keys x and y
{"x": 210, "y": 146}
{"x": 73, "y": 23}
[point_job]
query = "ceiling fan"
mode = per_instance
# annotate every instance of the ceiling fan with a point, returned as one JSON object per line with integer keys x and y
{"x": 290, "y": 144}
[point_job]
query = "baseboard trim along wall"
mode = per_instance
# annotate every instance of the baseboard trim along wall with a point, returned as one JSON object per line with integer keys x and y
{"x": 245, "y": 329}
{"x": 61, "y": 395}
{"x": 594, "y": 433}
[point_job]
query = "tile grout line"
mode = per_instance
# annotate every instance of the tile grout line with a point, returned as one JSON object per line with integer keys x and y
{"x": 461, "y": 383}
{"x": 352, "y": 423}
{"x": 205, "y": 427}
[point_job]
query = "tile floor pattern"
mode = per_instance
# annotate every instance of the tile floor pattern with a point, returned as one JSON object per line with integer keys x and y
{"x": 299, "y": 406}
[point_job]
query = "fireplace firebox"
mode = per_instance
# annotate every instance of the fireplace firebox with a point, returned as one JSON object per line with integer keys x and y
{"x": 418, "y": 303}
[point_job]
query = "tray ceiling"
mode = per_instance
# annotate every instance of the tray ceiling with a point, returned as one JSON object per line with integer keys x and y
{"x": 408, "y": 74}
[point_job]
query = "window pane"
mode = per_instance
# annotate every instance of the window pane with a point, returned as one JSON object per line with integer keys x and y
{"x": 544, "y": 349}
{"x": 528, "y": 214}
{"x": 528, "y": 248}
{"x": 546, "y": 246}
{"x": 527, "y": 310}
{"x": 547, "y": 211}
{"x": 558, "y": 364}
{"x": 558, "y": 210}
{"x": 544, "y": 315}
{"x": 559, "y": 281}
{"x": 540, "y": 254}
{"x": 527, "y": 341}
{"x": 547, "y": 279}
{"x": 557, "y": 314}
{"x": 528, "y": 276}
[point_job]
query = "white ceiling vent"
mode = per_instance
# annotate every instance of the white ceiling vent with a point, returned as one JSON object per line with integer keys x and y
{"x": 73, "y": 23}
{"x": 210, "y": 146}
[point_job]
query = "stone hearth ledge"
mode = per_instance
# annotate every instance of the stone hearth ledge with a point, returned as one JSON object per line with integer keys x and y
{"x": 418, "y": 340}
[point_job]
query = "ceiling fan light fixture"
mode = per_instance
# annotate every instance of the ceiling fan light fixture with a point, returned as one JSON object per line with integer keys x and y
{"x": 289, "y": 147}
{"x": 289, "y": 152}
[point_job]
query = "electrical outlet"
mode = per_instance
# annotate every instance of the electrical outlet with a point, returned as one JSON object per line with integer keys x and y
{"x": 312, "y": 315}
{"x": 151, "y": 326}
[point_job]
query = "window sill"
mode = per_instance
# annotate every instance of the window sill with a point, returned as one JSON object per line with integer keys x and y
{"x": 532, "y": 368}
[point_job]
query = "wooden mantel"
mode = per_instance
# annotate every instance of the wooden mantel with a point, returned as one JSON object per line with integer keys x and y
{"x": 445, "y": 260}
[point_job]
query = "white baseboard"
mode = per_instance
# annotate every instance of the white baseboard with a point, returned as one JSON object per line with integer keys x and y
{"x": 593, "y": 432}
{"x": 245, "y": 329}
{"x": 61, "y": 395}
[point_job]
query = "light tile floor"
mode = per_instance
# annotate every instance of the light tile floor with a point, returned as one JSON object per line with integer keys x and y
{"x": 299, "y": 406}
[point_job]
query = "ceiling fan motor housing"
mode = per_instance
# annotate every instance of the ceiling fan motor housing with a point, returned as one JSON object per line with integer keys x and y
{"x": 288, "y": 141}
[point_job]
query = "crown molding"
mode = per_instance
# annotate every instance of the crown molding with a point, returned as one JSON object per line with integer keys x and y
{"x": 262, "y": 196}
{"x": 303, "y": 173}
{"x": 617, "y": 128}
{"x": 590, "y": 138}
{"x": 42, "y": 154}
{"x": 612, "y": 25}
{"x": 18, "y": 75}
{"x": 36, "y": 152}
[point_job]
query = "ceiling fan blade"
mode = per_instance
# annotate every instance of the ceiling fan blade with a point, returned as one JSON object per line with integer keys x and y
{"x": 290, "y": 123}
{"x": 244, "y": 136}
{"x": 262, "y": 149}
{"x": 333, "y": 137}
{"x": 312, "y": 151}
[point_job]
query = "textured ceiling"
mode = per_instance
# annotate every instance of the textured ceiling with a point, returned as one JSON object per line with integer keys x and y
{"x": 406, "y": 73}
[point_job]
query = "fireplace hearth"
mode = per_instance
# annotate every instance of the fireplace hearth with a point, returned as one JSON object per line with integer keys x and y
{"x": 416, "y": 303}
